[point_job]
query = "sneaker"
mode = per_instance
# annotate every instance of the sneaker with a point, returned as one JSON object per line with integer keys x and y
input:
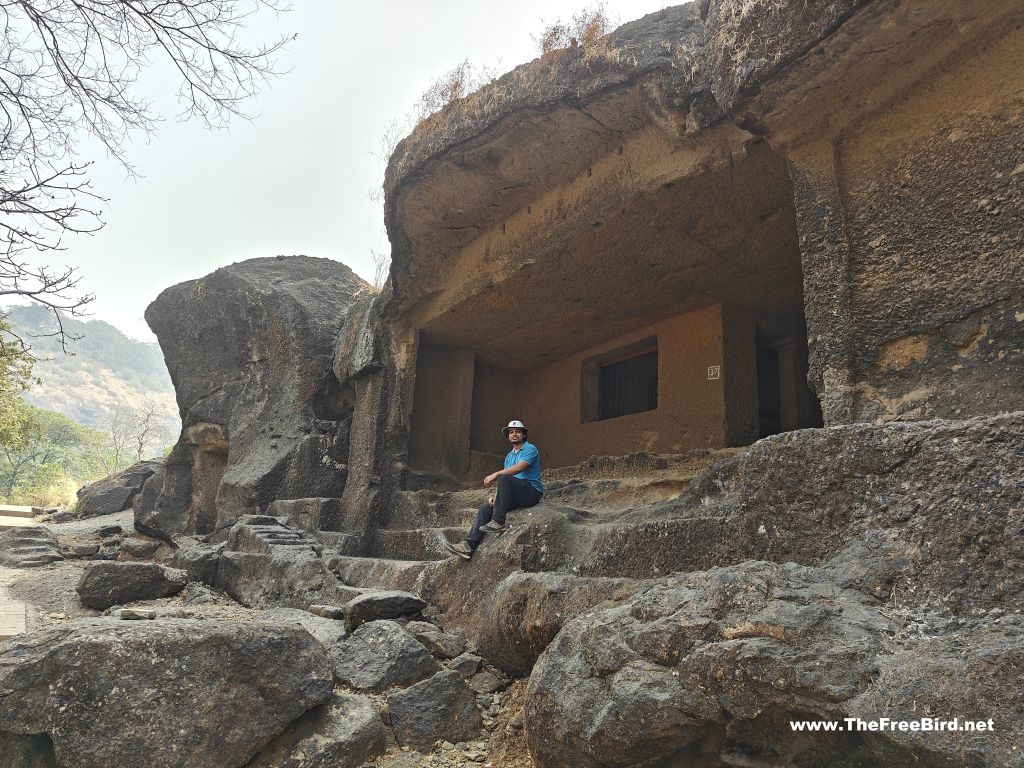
{"x": 492, "y": 527}
{"x": 462, "y": 549}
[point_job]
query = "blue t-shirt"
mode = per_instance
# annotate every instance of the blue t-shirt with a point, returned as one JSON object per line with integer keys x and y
{"x": 527, "y": 452}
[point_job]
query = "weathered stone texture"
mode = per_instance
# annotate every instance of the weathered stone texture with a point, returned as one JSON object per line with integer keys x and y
{"x": 250, "y": 349}
{"x": 935, "y": 191}
{"x": 28, "y": 547}
{"x": 116, "y": 492}
{"x": 380, "y": 655}
{"x": 18, "y": 751}
{"x": 440, "y": 644}
{"x": 907, "y": 199}
{"x": 159, "y": 694}
{"x": 943, "y": 495}
{"x": 392, "y": 604}
{"x": 722, "y": 660}
{"x": 345, "y": 732}
{"x": 440, "y": 708}
{"x": 104, "y": 584}
{"x": 264, "y": 564}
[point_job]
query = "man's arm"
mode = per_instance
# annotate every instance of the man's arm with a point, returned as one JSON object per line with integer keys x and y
{"x": 515, "y": 469}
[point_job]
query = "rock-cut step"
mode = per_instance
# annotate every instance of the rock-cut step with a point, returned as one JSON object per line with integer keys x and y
{"x": 29, "y": 547}
{"x": 415, "y": 543}
{"x": 378, "y": 572}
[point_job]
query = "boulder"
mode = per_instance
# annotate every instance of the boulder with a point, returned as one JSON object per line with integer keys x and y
{"x": 250, "y": 349}
{"x": 327, "y": 631}
{"x": 114, "y": 493}
{"x": 381, "y": 605}
{"x": 159, "y": 694}
{"x": 485, "y": 682}
{"x": 78, "y": 547}
{"x": 380, "y": 655}
{"x": 443, "y": 645}
{"x": 107, "y": 583}
{"x": 140, "y": 546}
{"x": 440, "y": 708}
{"x": 466, "y": 664}
{"x": 198, "y": 560}
{"x": 526, "y": 610}
{"x": 345, "y": 732}
{"x": 722, "y": 661}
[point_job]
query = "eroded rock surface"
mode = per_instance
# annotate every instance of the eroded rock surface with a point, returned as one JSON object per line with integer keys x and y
{"x": 945, "y": 492}
{"x": 159, "y": 694}
{"x": 116, "y": 492}
{"x": 380, "y": 655}
{"x": 343, "y": 733}
{"x": 108, "y": 583}
{"x": 250, "y": 349}
{"x": 266, "y": 564}
{"x": 722, "y": 660}
{"x": 439, "y": 708}
{"x": 442, "y": 645}
{"x": 28, "y": 547}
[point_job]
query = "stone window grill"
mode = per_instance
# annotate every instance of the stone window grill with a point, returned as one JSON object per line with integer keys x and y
{"x": 621, "y": 382}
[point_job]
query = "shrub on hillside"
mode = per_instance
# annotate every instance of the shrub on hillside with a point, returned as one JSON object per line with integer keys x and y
{"x": 583, "y": 30}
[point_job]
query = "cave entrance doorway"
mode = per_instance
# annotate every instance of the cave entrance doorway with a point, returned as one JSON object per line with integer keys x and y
{"x": 784, "y": 400}
{"x": 671, "y": 321}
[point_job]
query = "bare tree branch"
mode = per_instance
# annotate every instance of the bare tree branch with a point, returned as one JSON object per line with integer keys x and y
{"x": 68, "y": 72}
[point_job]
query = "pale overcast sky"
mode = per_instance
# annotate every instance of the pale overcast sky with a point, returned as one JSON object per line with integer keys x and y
{"x": 296, "y": 179}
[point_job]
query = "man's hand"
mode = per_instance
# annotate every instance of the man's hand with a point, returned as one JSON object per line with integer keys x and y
{"x": 491, "y": 478}
{"x": 490, "y": 500}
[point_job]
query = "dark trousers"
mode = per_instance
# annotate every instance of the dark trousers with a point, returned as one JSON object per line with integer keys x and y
{"x": 512, "y": 493}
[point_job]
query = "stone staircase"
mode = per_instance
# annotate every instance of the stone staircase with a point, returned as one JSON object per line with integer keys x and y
{"x": 28, "y": 547}
{"x": 595, "y": 499}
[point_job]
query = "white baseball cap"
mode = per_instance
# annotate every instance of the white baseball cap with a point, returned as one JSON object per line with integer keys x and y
{"x": 514, "y": 424}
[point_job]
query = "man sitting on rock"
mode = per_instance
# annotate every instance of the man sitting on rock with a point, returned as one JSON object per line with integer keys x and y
{"x": 519, "y": 487}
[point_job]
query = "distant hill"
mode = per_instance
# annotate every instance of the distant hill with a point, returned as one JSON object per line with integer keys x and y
{"x": 106, "y": 372}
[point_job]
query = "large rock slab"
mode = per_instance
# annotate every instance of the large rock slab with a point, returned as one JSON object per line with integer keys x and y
{"x": 327, "y": 631}
{"x": 114, "y": 493}
{"x": 159, "y": 694}
{"x": 441, "y": 708}
{"x": 389, "y": 604}
{"x": 107, "y": 583}
{"x": 722, "y": 661}
{"x": 380, "y": 655}
{"x": 250, "y": 350}
{"x": 343, "y": 733}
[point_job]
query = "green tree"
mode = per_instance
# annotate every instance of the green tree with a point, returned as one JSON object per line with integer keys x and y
{"x": 15, "y": 376}
{"x": 46, "y": 452}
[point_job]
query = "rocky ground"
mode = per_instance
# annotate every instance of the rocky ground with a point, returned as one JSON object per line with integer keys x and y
{"x": 53, "y": 599}
{"x": 860, "y": 571}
